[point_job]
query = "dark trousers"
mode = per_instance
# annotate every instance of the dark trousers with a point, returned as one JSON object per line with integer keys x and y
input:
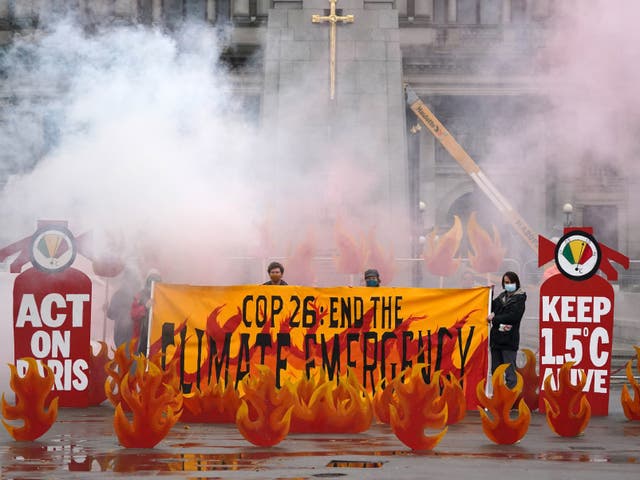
{"x": 498, "y": 357}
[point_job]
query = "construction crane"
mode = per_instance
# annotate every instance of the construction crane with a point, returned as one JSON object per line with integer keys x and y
{"x": 438, "y": 130}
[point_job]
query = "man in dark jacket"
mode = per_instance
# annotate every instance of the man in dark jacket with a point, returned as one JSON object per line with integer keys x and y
{"x": 120, "y": 308}
{"x": 275, "y": 271}
{"x": 507, "y": 310}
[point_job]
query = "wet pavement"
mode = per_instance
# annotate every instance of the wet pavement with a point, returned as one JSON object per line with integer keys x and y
{"x": 82, "y": 444}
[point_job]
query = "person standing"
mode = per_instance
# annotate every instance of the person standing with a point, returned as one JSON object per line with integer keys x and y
{"x": 119, "y": 309}
{"x": 275, "y": 271}
{"x": 372, "y": 278}
{"x": 506, "y": 314}
{"x": 140, "y": 311}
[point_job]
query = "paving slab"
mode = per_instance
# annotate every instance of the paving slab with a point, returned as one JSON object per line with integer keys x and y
{"x": 82, "y": 444}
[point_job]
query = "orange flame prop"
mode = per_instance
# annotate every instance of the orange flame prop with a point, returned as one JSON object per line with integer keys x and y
{"x": 170, "y": 376}
{"x": 502, "y": 429}
{"x": 153, "y": 404}
{"x": 488, "y": 253}
{"x": 453, "y": 396}
{"x": 530, "y": 387}
{"x": 306, "y": 415}
{"x": 98, "y": 375}
{"x": 382, "y": 261}
{"x": 300, "y": 263}
{"x": 561, "y": 404}
{"x": 418, "y": 407}
{"x": 384, "y": 396}
{"x": 630, "y": 407}
{"x": 438, "y": 257}
{"x": 341, "y": 406}
{"x": 264, "y": 415}
{"x": 116, "y": 370}
{"x": 352, "y": 255}
{"x": 216, "y": 403}
{"x": 31, "y": 392}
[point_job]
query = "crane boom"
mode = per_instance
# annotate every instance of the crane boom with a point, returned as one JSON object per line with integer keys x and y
{"x": 438, "y": 130}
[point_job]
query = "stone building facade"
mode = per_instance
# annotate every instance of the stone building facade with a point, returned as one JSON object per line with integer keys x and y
{"x": 467, "y": 59}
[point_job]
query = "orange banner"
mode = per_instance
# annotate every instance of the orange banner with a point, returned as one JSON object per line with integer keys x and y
{"x": 219, "y": 333}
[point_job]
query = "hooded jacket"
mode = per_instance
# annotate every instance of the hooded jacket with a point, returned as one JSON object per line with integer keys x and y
{"x": 508, "y": 310}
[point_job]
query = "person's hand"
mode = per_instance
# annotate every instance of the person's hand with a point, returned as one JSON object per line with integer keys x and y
{"x": 490, "y": 317}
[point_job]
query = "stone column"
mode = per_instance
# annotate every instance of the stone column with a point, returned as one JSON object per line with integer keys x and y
{"x": 506, "y": 11}
{"x": 365, "y": 123}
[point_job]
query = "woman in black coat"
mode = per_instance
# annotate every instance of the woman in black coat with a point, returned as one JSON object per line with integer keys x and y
{"x": 507, "y": 310}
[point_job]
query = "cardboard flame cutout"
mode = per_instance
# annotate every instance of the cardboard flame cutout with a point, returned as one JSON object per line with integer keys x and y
{"x": 438, "y": 257}
{"x": 453, "y": 396}
{"x": 630, "y": 407}
{"x": 562, "y": 403}
{"x": 530, "y": 379}
{"x": 98, "y": 375}
{"x": 170, "y": 376}
{"x": 488, "y": 253}
{"x": 351, "y": 253}
{"x": 418, "y": 407}
{"x": 337, "y": 406}
{"x": 502, "y": 429}
{"x": 32, "y": 392}
{"x": 264, "y": 415}
{"x": 156, "y": 407}
{"x": 384, "y": 396}
{"x": 216, "y": 403}
{"x": 383, "y": 261}
{"x": 300, "y": 269}
{"x": 116, "y": 370}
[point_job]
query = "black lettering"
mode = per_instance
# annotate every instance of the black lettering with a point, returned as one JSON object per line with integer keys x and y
{"x": 199, "y": 335}
{"x": 358, "y": 312}
{"x": 309, "y": 313}
{"x": 375, "y": 301}
{"x": 369, "y": 367}
{"x": 243, "y": 355}
{"x": 406, "y": 362}
{"x": 166, "y": 339}
{"x": 263, "y": 340}
{"x": 426, "y": 373}
{"x": 186, "y": 387}
{"x": 386, "y": 313}
{"x": 245, "y": 301}
{"x": 292, "y": 321}
{"x": 397, "y": 309}
{"x": 345, "y": 314}
{"x": 276, "y": 307}
{"x": 221, "y": 360}
{"x": 261, "y": 308}
{"x": 331, "y": 365}
{"x": 383, "y": 354}
{"x": 442, "y": 332}
{"x": 309, "y": 363}
{"x": 351, "y": 338}
{"x": 284, "y": 340}
{"x": 464, "y": 352}
{"x": 333, "y": 309}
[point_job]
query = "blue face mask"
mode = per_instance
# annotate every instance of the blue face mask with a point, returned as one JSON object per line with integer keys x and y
{"x": 371, "y": 282}
{"x": 510, "y": 287}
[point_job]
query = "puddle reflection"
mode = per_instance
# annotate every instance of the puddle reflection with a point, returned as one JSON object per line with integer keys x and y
{"x": 41, "y": 457}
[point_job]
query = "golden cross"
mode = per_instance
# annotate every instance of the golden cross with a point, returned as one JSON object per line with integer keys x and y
{"x": 332, "y": 18}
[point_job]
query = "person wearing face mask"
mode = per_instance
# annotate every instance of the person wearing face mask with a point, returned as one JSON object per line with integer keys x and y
{"x": 372, "y": 278}
{"x": 507, "y": 310}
